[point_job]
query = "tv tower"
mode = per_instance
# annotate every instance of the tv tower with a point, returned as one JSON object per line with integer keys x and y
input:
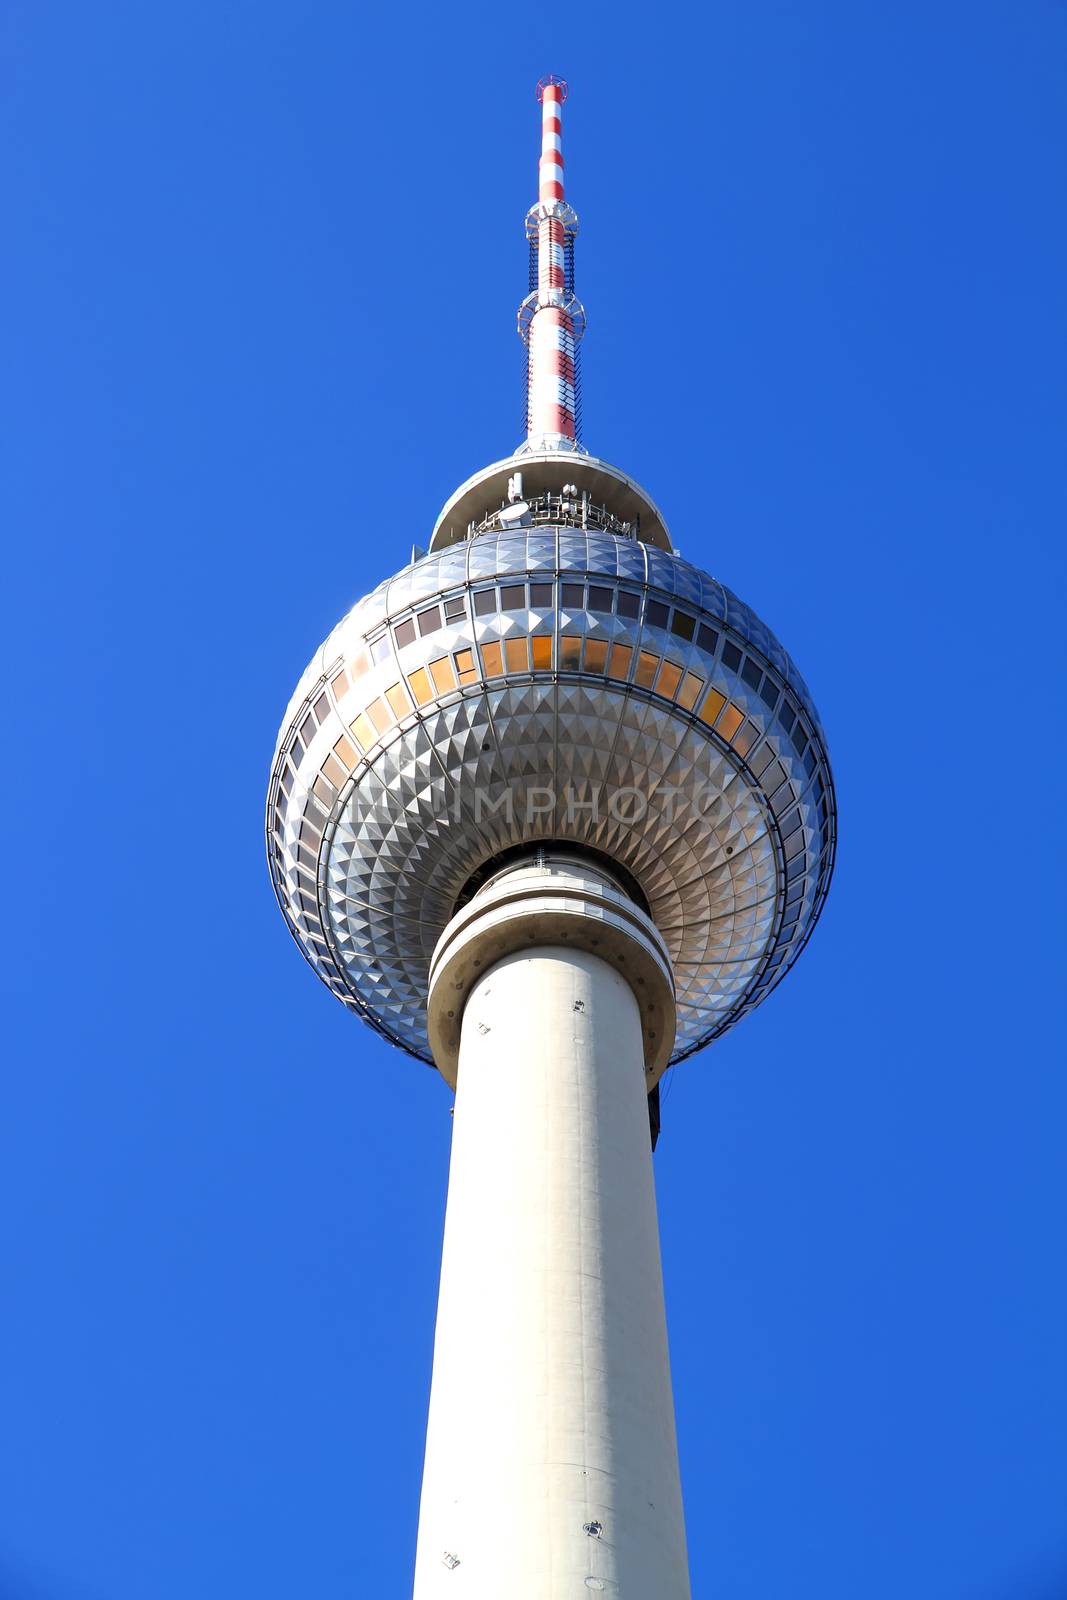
{"x": 551, "y": 809}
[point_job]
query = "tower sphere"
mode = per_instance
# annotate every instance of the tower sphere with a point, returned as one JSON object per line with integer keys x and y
{"x": 551, "y": 672}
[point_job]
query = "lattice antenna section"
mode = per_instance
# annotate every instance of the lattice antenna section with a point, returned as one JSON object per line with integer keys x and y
{"x": 552, "y": 318}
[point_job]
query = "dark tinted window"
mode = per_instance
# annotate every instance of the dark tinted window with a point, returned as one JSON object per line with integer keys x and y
{"x": 455, "y": 609}
{"x": 405, "y": 633}
{"x": 787, "y": 716}
{"x": 629, "y": 604}
{"x": 485, "y": 602}
{"x": 429, "y": 620}
{"x": 731, "y": 655}
{"x": 682, "y": 626}
{"x": 707, "y": 639}
{"x": 574, "y": 594}
{"x": 751, "y": 674}
{"x": 657, "y": 614}
{"x": 513, "y": 597}
{"x": 540, "y": 594}
{"x": 769, "y": 693}
{"x": 600, "y": 599}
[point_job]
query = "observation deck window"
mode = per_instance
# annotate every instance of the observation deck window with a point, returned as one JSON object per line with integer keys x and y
{"x": 484, "y": 602}
{"x": 513, "y": 597}
{"x": 731, "y": 656}
{"x": 541, "y": 646}
{"x": 657, "y": 615}
{"x": 541, "y": 594}
{"x": 429, "y": 620}
{"x": 619, "y": 662}
{"x": 600, "y": 599}
{"x": 629, "y": 604}
{"x": 683, "y": 626}
{"x": 570, "y": 651}
{"x": 707, "y": 639}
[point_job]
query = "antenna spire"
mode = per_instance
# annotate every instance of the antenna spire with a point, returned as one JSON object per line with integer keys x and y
{"x": 551, "y": 318}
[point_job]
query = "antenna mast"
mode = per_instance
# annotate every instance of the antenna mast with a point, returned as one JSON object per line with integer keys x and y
{"x": 551, "y": 318}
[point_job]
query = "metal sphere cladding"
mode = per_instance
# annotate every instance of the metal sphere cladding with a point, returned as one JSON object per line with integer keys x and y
{"x": 552, "y": 671}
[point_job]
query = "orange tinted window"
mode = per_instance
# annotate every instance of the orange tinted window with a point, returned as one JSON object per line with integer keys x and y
{"x": 334, "y": 771}
{"x": 596, "y": 655}
{"x": 419, "y": 684}
{"x": 358, "y": 665}
{"x": 690, "y": 690}
{"x": 345, "y": 751}
{"x": 363, "y": 731}
{"x": 379, "y": 714}
{"x": 541, "y": 644}
{"x": 570, "y": 651}
{"x": 492, "y": 660}
{"x": 517, "y": 654}
{"x": 398, "y": 700}
{"x": 442, "y": 674}
{"x": 646, "y": 669}
{"x": 339, "y": 684}
{"x": 744, "y": 739}
{"x": 619, "y": 662}
{"x": 465, "y": 666}
{"x": 712, "y": 706}
{"x": 730, "y": 721}
{"x": 670, "y": 677}
{"x": 323, "y": 790}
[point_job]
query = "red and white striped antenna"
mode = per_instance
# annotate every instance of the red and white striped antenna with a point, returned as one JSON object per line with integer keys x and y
{"x": 551, "y": 318}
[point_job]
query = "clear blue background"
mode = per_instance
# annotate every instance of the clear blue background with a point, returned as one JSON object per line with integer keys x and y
{"x": 259, "y": 276}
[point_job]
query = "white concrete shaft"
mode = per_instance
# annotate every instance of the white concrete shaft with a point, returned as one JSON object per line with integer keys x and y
{"x": 551, "y": 1403}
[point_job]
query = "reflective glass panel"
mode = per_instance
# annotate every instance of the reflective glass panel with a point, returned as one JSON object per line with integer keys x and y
{"x": 492, "y": 659}
{"x": 398, "y": 700}
{"x": 619, "y": 661}
{"x": 516, "y": 655}
{"x": 442, "y": 674}
{"x": 465, "y": 666}
{"x": 378, "y": 712}
{"x": 690, "y": 691}
{"x": 712, "y": 706}
{"x": 541, "y": 645}
{"x": 596, "y": 655}
{"x": 570, "y": 650}
{"x": 647, "y": 665}
{"x": 419, "y": 684}
{"x": 730, "y": 721}
{"x": 669, "y": 678}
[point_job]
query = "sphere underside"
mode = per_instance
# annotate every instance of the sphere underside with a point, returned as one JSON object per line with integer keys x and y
{"x": 558, "y": 686}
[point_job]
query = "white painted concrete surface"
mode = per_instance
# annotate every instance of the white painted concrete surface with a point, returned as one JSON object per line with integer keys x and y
{"x": 551, "y": 1403}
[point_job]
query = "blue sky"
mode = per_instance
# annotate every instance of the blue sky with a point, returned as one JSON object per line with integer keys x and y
{"x": 260, "y": 270}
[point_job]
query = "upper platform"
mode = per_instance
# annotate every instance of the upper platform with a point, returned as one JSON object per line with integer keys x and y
{"x": 545, "y": 475}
